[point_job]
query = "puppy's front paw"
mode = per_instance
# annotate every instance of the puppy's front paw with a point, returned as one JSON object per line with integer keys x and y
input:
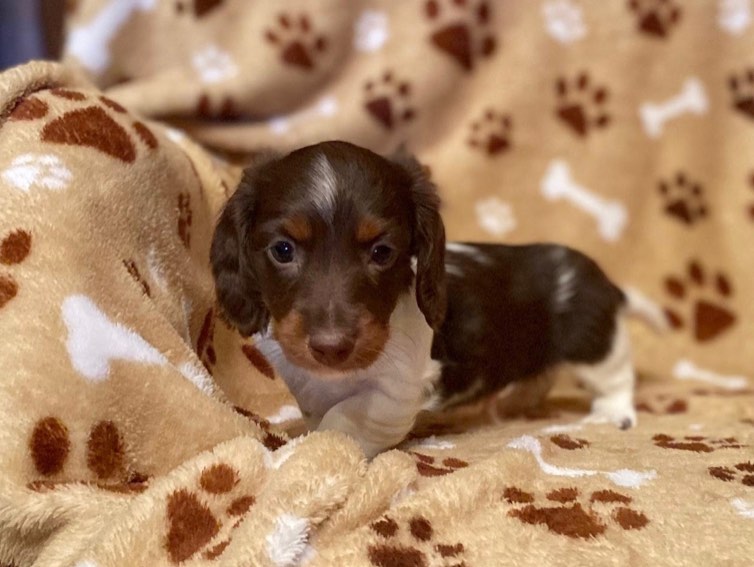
{"x": 620, "y": 413}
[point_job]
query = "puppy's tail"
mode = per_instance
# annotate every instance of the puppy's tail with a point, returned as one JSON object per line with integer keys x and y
{"x": 640, "y": 306}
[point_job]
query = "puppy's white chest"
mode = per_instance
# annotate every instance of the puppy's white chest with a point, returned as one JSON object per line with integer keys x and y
{"x": 399, "y": 374}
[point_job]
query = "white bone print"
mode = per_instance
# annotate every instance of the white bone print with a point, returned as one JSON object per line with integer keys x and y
{"x": 564, "y": 20}
{"x": 558, "y": 183}
{"x": 734, "y": 16}
{"x": 687, "y": 370}
{"x": 90, "y": 43}
{"x": 692, "y": 99}
{"x": 743, "y": 507}
{"x": 95, "y": 341}
{"x": 622, "y": 477}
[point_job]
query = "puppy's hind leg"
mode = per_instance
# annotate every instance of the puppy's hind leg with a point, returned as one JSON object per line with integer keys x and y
{"x": 520, "y": 397}
{"x": 612, "y": 380}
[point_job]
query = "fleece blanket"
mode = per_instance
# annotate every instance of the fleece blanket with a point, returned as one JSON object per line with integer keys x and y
{"x": 137, "y": 428}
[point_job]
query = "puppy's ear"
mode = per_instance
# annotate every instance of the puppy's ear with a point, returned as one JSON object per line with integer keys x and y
{"x": 236, "y": 282}
{"x": 428, "y": 241}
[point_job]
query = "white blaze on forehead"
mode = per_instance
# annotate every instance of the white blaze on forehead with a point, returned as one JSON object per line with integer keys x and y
{"x": 324, "y": 187}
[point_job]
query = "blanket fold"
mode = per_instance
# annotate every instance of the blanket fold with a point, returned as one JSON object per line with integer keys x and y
{"x": 138, "y": 428}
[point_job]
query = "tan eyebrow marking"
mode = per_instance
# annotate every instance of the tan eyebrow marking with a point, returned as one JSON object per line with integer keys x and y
{"x": 369, "y": 228}
{"x": 298, "y": 227}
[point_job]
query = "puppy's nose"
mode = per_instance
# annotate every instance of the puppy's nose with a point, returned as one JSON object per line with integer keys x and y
{"x": 331, "y": 348}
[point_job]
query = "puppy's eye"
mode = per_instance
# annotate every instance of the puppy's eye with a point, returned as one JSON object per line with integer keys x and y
{"x": 381, "y": 254}
{"x": 282, "y": 252}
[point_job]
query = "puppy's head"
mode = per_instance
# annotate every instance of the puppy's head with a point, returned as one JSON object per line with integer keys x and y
{"x": 320, "y": 243}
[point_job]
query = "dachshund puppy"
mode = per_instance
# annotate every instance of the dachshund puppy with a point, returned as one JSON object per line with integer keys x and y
{"x": 335, "y": 257}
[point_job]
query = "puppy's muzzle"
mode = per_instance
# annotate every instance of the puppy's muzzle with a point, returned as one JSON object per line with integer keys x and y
{"x": 331, "y": 348}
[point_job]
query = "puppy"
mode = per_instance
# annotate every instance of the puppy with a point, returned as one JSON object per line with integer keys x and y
{"x": 336, "y": 258}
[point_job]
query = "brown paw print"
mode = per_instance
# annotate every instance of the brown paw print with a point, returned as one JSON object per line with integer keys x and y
{"x": 663, "y": 405}
{"x": 683, "y": 199}
{"x": 29, "y": 108}
{"x": 299, "y": 44}
{"x": 569, "y": 443}
{"x": 428, "y": 466}
{"x": 388, "y": 101}
{"x": 226, "y": 110}
{"x": 192, "y": 516}
{"x": 580, "y": 104}
{"x": 92, "y": 126}
{"x": 461, "y": 29}
{"x": 258, "y": 360}
{"x": 200, "y": 8}
{"x": 742, "y": 90}
{"x": 134, "y": 272}
{"x": 185, "y": 215}
{"x": 50, "y": 447}
{"x": 696, "y": 443}
{"x": 14, "y": 249}
{"x": 740, "y": 472}
{"x": 205, "y": 343}
{"x": 573, "y": 518}
{"x": 491, "y": 133}
{"x": 710, "y": 316}
{"x": 655, "y": 17}
{"x": 272, "y": 440}
{"x": 412, "y": 547}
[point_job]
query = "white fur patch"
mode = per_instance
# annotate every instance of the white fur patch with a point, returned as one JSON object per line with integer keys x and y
{"x": 469, "y": 251}
{"x": 622, "y": 477}
{"x": 94, "y": 341}
{"x": 453, "y": 270}
{"x": 612, "y": 380}
{"x": 375, "y": 405}
{"x": 44, "y": 171}
{"x": 90, "y": 43}
{"x": 325, "y": 187}
{"x": 287, "y": 542}
{"x": 565, "y": 282}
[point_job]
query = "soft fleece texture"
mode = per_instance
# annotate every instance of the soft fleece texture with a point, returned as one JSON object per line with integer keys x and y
{"x": 136, "y": 428}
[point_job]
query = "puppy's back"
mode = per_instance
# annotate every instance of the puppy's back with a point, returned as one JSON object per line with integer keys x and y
{"x": 515, "y": 311}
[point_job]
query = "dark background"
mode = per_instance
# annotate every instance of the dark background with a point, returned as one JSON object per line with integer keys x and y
{"x": 30, "y": 29}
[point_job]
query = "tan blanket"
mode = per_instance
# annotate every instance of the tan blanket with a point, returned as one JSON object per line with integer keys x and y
{"x": 136, "y": 428}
